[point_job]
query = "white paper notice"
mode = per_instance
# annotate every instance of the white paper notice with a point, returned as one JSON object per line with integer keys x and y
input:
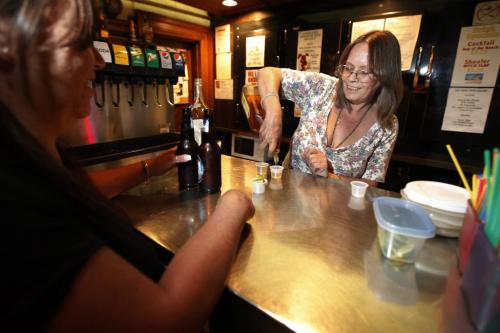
{"x": 255, "y": 51}
{"x": 478, "y": 57}
{"x": 223, "y": 89}
{"x": 223, "y": 39}
{"x": 361, "y": 27}
{"x": 406, "y": 29}
{"x": 251, "y": 76}
{"x": 223, "y": 66}
{"x": 467, "y": 109}
{"x": 309, "y": 50}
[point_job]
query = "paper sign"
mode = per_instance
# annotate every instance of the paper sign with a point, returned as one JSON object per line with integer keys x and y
{"x": 487, "y": 13}
{"x": 223, "y": 89}
{"x": 478, "y": 57}
{"x": 223, "y": 39}
{"x": 309, "y": 50}
{"x": 255, "y": 51}
{"x": 223, "y": 66}
{"x": 251, "y": 76}
{"x": 405, "y": 28}
{"x": 467, "y": 109}
{"x": 362, "y": 27}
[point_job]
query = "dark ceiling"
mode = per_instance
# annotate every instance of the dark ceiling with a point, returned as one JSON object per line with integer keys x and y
{"x": 215, "y": 7}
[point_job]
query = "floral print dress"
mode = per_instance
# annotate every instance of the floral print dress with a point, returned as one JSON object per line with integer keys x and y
{"x": 314, "y": 93}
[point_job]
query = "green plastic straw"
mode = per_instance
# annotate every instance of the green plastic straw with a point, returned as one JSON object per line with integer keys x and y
{"x": 493, "y": 212}
{"x": 487, "y": 163}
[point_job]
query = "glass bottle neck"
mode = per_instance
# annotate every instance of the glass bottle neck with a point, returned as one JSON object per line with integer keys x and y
{"x": 198, "y": 94}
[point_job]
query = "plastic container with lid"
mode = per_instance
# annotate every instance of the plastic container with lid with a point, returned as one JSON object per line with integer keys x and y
{"x": 444, "y": 198}
{"x": 403, "y": 227}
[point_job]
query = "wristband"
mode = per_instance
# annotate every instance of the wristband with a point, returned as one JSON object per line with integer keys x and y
{"x": 269, "y": 94}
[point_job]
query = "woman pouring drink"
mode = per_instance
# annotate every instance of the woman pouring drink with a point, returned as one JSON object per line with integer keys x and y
{"x": 347, "y": 128}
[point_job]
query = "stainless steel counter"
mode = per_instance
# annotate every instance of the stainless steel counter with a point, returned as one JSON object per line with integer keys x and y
{"x": 311, "y": 260}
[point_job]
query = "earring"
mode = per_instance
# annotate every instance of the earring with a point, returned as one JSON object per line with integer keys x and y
{"x": 6, "y": 60}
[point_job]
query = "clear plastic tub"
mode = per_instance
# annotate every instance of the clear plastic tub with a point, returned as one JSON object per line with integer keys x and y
{"x": 403, "y": 227}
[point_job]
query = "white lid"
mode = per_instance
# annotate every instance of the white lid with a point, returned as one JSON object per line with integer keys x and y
{"x": 438, "y": 195}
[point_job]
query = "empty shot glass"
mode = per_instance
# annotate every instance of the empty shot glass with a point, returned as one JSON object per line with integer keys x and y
{"x": 358, "y": 188}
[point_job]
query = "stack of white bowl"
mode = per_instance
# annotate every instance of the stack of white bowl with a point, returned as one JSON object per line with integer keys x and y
{"x": 445, "y": 203}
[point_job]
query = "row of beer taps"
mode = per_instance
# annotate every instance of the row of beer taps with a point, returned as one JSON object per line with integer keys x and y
{"x": 100, "y": 96}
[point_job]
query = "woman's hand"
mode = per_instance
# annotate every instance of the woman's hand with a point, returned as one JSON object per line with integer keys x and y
{"x": 316, "y": 160}
{"x": 236, "y": 203}
{"x": 166, "y": 161}
{"x": 270, "y": 130}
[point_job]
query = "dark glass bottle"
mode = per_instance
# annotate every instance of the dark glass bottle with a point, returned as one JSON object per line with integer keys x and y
{"x": 187, "y": 172}
{"x": 199, "y": 111}
{"x": 210, "y": 154}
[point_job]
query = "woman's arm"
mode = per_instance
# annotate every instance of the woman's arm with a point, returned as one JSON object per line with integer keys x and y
{"x": 112, "y": 182}
{"x": 110, "y": 295}
{"x": 269, "y": 82}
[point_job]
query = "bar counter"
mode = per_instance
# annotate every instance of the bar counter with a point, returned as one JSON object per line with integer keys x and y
{"x": 311, "y": 259}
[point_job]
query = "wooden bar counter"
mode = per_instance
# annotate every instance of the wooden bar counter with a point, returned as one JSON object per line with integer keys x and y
{"x": 311, "y": 259}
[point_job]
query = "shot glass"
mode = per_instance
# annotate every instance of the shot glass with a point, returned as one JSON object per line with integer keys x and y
{"x": 262, "y": 169}
{"x": 358, "y": 188}
{"x": 259, "y": 185}
{"x": 276, "y": 171}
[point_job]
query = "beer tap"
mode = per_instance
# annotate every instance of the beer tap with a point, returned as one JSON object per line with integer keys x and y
{"x": 428, "y": 74}
{"x": 167, "y": 92}
{"x": 115, "y": 93}
{"x": 144, "y": 93}
{"x": 417, "y": 68}
{"x": 99, "y": 79}
{"x": 157, "y": 92}
{"x": 130, "y": 92}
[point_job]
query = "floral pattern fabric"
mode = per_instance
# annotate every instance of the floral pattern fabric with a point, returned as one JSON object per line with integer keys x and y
{"x": 314, "y": 93}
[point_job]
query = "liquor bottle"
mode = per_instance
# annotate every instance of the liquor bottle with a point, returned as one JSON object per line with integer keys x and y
{"x": 210, "y": 154}
{"x": 199, "y": 111}
{"x": 188, "y": 171}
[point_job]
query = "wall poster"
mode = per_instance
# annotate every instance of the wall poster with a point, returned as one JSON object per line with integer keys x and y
{"x": 223, "y": 39}
{"x": 405, "y": 28}
{"x": 467, "y": 109}
{"x": 255, "y": 51}
{"x": 251, "y": 76}
{"x": 478, "y": 57}
{"x": 474, "y": 76}
{"x": 308, "y": 54}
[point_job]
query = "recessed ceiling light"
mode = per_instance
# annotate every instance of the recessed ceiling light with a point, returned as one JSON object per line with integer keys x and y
{"x": 229, "y": 3}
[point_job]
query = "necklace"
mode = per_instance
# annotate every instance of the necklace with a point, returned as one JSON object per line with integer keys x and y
{"x": 352, "y": 131}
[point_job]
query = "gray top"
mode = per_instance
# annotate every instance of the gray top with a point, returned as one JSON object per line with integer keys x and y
{"x": 311, "y": 260}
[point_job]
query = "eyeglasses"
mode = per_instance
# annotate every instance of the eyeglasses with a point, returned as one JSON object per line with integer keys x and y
{"x": 362, "y": 76}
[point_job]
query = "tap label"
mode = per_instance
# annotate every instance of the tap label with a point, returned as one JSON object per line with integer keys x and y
{"x": 121, "y": 55}
{"x": 137, "y": 56}
{"x": 104, "y": 51}
{"x": 152, "y": 60}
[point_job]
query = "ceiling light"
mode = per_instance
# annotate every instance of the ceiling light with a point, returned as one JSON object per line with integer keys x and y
{"x": 229, "y": 3}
